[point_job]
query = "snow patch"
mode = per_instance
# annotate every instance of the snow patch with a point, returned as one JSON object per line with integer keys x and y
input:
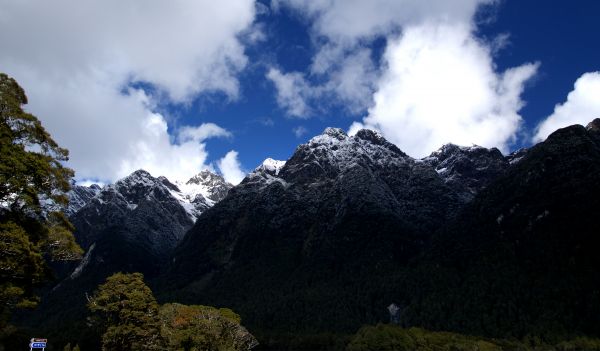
{"x": 273, "y": 166}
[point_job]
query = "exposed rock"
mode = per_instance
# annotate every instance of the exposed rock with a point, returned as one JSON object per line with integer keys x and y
{"x": 467, "y": 169}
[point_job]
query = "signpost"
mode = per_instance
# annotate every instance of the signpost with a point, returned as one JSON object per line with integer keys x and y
{"x": 36, "y": 343}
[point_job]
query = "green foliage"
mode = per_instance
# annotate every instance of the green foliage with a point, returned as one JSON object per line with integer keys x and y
{"x": 30, "y": 160}
{"x": 579, "y": 344}
{"x": 128, "y": 311}
{"x": 21, "y": 267}
{"x": 384, "y": 337}
{"x": 60, "y": 243}
{"x": 68, "y": 348}
{"x": 203, "y": 328}
{"x": 30, "y": 167}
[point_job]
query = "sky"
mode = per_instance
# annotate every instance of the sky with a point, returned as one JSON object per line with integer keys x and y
{"x": 180, "y": 86}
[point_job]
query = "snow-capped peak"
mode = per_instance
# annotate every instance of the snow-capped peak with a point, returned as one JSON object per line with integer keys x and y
{"x": 212, "y": 187}
{"x": 271, "y": 166}
{"x": 196, "y": 195}
{"x": 334, "y": 149}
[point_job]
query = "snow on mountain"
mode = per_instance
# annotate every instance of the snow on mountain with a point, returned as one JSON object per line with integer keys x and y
{"x": 335, "y": 152}
{"x": 211, "y": 186}
{"x": 271, "y": 166}
{"x": 517, "y": 156}
{"x": 195, "y": 196}
{"x": 467, "y": 169}
{"x": 78, "y": 197}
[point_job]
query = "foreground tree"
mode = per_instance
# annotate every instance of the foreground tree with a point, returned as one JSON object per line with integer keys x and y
{"x": 130, "y": 318}
{"x": 126, "y": 309}
{"x": 30, "y": 169}
{"x": 203, "y": 328}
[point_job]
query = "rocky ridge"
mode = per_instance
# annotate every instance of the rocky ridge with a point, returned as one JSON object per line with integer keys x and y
{"x": 467, "y": 169}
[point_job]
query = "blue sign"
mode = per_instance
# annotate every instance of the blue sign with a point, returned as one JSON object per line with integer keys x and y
{"x": 37, "y": 345}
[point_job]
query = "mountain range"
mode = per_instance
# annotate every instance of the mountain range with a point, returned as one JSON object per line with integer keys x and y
{"x": 466, "y": 239}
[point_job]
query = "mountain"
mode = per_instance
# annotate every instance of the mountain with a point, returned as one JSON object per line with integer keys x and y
{"x": 151, "y": 212}
{"x": 129, "y": 226}
{"x": 467, "y": 169}
{"x": 465, "y": 240}
{"x": 78, "y": 197}
{"x": 522, "y": 257}
{"x": 287, "y": 246}
{"x": 201, "y": 192}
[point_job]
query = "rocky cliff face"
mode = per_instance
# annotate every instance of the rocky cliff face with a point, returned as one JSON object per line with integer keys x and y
{"x": 150, "y": 211}
{"x": 467, "y": 169}
{"x": 143, "y": 209}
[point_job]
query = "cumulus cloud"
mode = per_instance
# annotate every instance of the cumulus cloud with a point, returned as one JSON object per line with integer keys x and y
{"x": 230, "y": 168}
{"x": 79, "y": 60}
{"x": 342, "y": 31}
{"x": 346, "y": 21}
{"x": 581, "y": 107}
{"x": 202, "y": 132}
{"x": 441, "y": 87}
{"x": 437, "y": 82}
{"x": 292, "y": 92}
{"x": 349, "y": 85}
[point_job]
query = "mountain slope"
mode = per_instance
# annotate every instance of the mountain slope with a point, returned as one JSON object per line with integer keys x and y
{"x": 130, "y": 226}
{"x": 522, "y": 258}
{"x": 467, "y": 169}
{"x": 294, "y": 240}
{"x": 493, "y": 245}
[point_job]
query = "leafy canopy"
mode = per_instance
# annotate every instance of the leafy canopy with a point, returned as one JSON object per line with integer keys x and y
{"x": 126, "y": 310}
{"x": 30, "y": 169}
{"x": 30, "y": 160}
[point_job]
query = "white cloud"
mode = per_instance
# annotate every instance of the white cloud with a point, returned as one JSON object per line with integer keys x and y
{"x": 346, "y": 21}
{"x": 230, "y": 168}
{"x": 342, "y": 31}
{"x": 441, "y": 87}
{"x": 75, "y": 59}
{"x": 437, "y": 82}
{"x": 202, "y": 132}
{"x": 299, "y": 131}
{"x": 292, "y": 92}
{"x": 349, "y": 86}
{"x": 581, "y": 107}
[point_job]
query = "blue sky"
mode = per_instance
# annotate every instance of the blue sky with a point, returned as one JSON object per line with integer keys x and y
{"x": 175, "y": 87}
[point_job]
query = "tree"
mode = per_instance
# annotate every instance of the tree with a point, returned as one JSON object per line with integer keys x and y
{"x": 127, "y": 310}
{"x": 31, "y": 161}
{"x": 74, "y": 348}
{"x": 30, "y": 169}
{"x": 203, "y": 328}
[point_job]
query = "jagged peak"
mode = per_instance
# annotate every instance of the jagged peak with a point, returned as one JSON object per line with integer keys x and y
{"x": 138, "y": 177}
{"x": 205, "y": 176}
{"x": 335, "y": 132}
{"x": 594, "y": 125}
{"x": 370, "y": 135}
{"x": 374, "y": 137}
{"x": 451, "y": 147}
